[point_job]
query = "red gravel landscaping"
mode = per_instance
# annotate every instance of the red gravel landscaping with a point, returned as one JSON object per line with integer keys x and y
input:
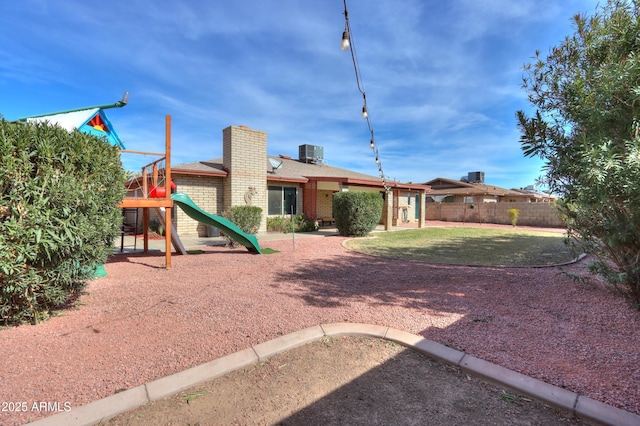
{"x": 142, "y": 322}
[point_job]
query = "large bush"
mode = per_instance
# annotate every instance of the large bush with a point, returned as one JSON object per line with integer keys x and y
{"x": 586, "y": 126}
{"x": 357, "y": 213}
{"x": 58, "y": 215}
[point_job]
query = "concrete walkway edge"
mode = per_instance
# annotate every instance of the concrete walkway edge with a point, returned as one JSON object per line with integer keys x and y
{"x": 104, "y": 409}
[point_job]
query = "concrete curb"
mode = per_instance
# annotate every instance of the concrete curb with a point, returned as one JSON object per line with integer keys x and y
{"x": 106, "y": 408}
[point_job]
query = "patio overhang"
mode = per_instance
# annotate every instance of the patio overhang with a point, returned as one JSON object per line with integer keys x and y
{"x": 347, "y": 181}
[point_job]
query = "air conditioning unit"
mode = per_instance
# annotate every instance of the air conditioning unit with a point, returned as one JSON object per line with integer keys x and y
{"x": 475, "y": 177}
{"x": 310, "y": 153}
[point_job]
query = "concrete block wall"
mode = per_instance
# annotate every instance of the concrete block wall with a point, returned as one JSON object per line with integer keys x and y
{"x": 206, "y": 192}
{"x": 531, "y": 214}
{"x": 244, "y": 152}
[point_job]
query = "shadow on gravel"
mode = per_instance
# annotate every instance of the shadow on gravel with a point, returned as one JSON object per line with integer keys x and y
{"x": 343, "y": 280}
{"x": 140, "y": 258}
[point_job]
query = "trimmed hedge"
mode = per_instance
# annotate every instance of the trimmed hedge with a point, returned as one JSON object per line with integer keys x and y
{"x": 58, "y": 215}
{"x": 357, "y": 213}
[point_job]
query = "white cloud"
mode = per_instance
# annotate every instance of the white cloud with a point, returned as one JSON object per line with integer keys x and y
{"x": 442, "y": 78}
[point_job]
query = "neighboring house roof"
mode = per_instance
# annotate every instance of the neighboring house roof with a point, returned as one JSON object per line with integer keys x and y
{"x": 89, "y": 120}
{"x": 290, "y": 171}
{"x": 536, "y": 194}
{"x": 441, "y": 187}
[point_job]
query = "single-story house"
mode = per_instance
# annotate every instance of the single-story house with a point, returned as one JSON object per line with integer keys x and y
{"x": 280, "y": 184}
{"x": 472, "y": 189}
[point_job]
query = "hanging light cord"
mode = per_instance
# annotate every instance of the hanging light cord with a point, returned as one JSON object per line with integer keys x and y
{"x": 347, "y": 41}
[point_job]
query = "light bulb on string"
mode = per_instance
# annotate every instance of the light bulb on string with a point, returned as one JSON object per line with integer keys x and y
{"x": 345, "y": 40}
{"x": 348, "y": 43}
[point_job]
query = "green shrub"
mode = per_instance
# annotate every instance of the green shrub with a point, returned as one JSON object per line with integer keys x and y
{"x": 357, "y": 213}
{"x": 278, "y": 224}
{"x": 58, "y": 215}
{"x": 513, "y": 216}
{"x": 283, "y": 224}
{"x": 304, "y": 224}
{"x": 246, "y": 217}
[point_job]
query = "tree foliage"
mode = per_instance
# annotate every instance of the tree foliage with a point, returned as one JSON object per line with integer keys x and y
{"x": 586, "y": 126}
{"x": 357, "y": 213}
{"x": 58, "y": 215}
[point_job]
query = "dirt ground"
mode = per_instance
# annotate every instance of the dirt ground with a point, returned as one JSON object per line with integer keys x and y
{"x": 347, "y": 380}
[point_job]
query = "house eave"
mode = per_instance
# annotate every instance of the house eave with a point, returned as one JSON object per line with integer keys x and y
{"x": 184, "y": 172}
{"x": 275, "y": 178}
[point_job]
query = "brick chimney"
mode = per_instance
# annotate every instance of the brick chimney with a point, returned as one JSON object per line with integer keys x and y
{"x": 244, "y": 153}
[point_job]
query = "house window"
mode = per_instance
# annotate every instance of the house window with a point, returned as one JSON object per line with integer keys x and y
{"x": 282, "y": 199}
{"x": 468, "y": 199}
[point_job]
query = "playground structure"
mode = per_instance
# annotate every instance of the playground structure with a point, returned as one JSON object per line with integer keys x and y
{"x": 153, "y": 188}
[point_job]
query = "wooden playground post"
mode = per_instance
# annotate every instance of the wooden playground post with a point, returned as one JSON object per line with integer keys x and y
{"x": 167, "y": 192}
{"x": 154, "y": 182}
{"x": 145, "y": 184}
{"x": 145, "y": 202}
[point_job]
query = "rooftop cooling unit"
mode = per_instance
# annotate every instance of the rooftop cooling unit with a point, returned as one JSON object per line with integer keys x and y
{"x": 310, "y": 153}
{"x": 475, "y": 177}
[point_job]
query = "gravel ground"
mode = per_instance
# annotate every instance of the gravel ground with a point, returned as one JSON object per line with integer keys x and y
{"x": 143, "y": 322}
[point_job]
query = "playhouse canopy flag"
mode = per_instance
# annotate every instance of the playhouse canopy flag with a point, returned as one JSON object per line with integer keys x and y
{"x": 90, "y": 120}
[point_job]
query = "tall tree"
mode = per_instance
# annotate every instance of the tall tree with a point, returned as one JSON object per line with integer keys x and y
{"x": 586, "y": 126}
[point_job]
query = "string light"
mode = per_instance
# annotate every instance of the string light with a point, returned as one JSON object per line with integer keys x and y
{"x": 347, "y": 43}
{"x": 345, "y": 40}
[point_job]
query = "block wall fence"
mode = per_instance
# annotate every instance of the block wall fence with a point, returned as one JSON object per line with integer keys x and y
{"x": 531, "y": 214}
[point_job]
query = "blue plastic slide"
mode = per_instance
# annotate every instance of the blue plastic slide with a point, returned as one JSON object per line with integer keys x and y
{"x": 231, "y": 229}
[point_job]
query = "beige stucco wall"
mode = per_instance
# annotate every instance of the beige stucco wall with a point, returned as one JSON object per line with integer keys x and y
{"x": 531, "y": 214}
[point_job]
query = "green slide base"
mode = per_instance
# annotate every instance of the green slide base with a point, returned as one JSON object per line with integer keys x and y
{"x": 231, "y": 229}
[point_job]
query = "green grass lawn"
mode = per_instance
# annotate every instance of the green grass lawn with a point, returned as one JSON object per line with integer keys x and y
{"x": 468, "y": 246}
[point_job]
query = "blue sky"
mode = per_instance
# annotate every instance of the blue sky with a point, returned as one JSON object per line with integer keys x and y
{"x": 442, "y": 78}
